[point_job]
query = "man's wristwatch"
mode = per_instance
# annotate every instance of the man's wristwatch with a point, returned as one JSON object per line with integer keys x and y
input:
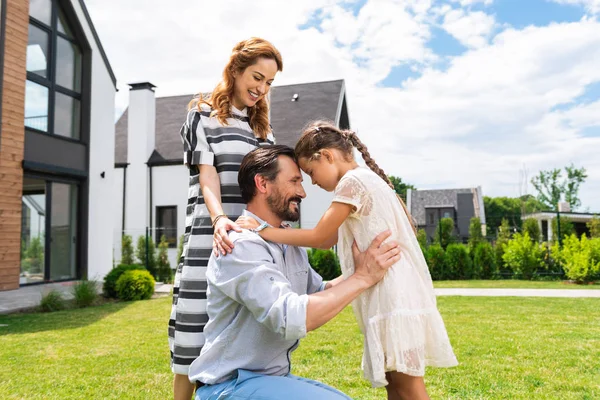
{"x": 260, "y": 227}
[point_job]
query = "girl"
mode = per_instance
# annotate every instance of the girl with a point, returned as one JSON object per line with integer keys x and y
{"x": 218, "y": 132}
{"x": 403, "y": 330}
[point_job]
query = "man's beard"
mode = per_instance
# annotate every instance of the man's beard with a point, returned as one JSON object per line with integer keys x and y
{"x": 281, "y": 207}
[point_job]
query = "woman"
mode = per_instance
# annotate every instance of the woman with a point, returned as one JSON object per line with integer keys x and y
{"x": 218, "y": 132}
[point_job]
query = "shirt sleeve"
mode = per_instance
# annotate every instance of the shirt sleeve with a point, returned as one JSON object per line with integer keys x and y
{"x": 351, "y": 191}
{"x": 256, "y": 283}
{"x": 196, "y": 150}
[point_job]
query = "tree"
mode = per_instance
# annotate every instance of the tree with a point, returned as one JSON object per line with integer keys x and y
{"x": 126, "y": 250}
{"x": 141, "y": 252}
{"x": 501, "y": 242}
{"x": 532, "y": 227}
{"x": 509, "y": 208}
{"x": 163, "y": 270}
{"x": 551, "y": 186}
{"x": 444, "y": 233}
{"x": 400, "y": 187}
{"x": 475, "y": 235}
{"x": 594, "y": 227}
{"x": 422, "y": 239}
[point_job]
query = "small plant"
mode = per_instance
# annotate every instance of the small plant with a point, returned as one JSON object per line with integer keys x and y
{"x": 135, "y": 285}
{"x": 110, "y": 280}
{"x": 126, "y": 250}
{"x": 52, "y": 301}
{"x": 145, "y": 247}
{"x": 85, "y": 293}
{"x": 163, "y": 270}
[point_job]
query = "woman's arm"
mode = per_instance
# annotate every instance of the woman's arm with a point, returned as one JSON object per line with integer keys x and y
{"x": 210, "y": 184}
{"x": 319, "y": 236}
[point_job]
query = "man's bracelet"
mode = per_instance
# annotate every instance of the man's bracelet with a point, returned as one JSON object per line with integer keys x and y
{"x": 218, "y": 217}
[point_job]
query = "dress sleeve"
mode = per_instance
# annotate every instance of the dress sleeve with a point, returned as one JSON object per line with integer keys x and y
{"x": 196, "y": 149}
{"x": 350, "y": 190}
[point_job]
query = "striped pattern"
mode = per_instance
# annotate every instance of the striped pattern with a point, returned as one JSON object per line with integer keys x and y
{"x": 205, "y": 142}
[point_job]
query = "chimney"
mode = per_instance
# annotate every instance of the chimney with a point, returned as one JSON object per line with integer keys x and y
{"x": 563, "y": 206}
{"x": 141, "y": 116}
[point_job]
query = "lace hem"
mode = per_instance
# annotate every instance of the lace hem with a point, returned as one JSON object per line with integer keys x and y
{"x": 407, "y": 343}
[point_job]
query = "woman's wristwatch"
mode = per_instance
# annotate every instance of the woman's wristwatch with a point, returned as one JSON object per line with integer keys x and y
{"x": 260, "y": 227}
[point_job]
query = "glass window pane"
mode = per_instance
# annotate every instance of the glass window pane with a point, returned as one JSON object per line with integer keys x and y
{"x": 36, "y": 106}
{"x": 67, "y": 113}
{"x": 37, "y": 51}
{"x": 41, "y": 10}
{"x": 166, "y": 221}
{"x": 68, "y": 65}
{"x": 62, "y": 24}
{"x": 63, "y": 232}
{"x": 33, "y": 223}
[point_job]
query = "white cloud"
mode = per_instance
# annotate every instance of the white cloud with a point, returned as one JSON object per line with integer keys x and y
{"x": 477, "y": 122}
{"x": 465, "y": 3}
{"x": 472, "y": 29}
{"x": 592, "y": 6}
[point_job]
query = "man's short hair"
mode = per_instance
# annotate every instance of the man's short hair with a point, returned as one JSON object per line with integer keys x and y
{"x": 261, "y": 161}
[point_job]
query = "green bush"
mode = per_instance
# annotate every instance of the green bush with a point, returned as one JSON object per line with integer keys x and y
{"x": 126, "y": 250}
{"x": 458, "y": 262}
{"x": 475, "y": 235}
{"x": 444, "y": 233}
{"x": 422, "y": 239}
{"x": 523, "y": 256}
{"x": 85, "y": 293}
{"x": 580, "y": 258}
{"x": 163, "y": 270}
{"x": 436, "y": 260}
{"x": 567, "y": 228}
{"x": 594, "y": 227}
{"x": 532, "y": 227}
{"x": 325, "y": 262}
{"x": 135, "y": 285}
{"x": 110, "y": 280}
{"x": 141, "y": 252}
{"x": 501, "y": 242}
{"x": 484, "y": 261}
{"x": 52, "y": 301}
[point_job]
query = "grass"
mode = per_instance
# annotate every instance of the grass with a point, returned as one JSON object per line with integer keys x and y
{"x": 514, "y": 284}
{"x": 509, "y": 348}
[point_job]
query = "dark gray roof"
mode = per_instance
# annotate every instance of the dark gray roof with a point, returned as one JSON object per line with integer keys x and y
{"x": 316, "y": 100}
{"x": 442, "y": 198}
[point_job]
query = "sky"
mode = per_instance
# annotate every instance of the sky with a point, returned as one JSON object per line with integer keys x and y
{"x": 445, "y": 94}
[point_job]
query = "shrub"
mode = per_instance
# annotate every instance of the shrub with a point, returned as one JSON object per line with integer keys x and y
{"x": 594, "y": 227}
{"x": 444, "y": 233}
{"x": 52, "y": 301}
{"x": 532, "y": 227}
{"x": 566, "y": 228}
{"x": 126, "y": 250}
{"x": 422, "y": 239}
{"x": 436, "y": 260}
{"x": 85, "y": 293}
{"x": 580, "y": 258}
{"x": 110, "y": 280}
{"x": 484, "y": 261}
{"x": 475, "y": 235}
{"x": 141, "y": 252}
{"x": 135, "y": 285}
{"x": 458, "y": 262}
{"x": 523, "y": 256}
{"x": 501, "y": 242}
{"x": 163, "y": 270}
{"x": 325, "y": 262}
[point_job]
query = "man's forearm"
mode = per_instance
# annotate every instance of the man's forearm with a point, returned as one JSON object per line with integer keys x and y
{"x": 334, "y": 282}
{"x": 325, "y": 305}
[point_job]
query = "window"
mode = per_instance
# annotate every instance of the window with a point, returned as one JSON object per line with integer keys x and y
{"x": 166, "y": 224}
{"x": 431, "y": 218}
{"x": 54, "y": 70}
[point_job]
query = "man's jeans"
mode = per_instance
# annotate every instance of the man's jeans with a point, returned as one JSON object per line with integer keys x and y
{"x": 249, "y": 385}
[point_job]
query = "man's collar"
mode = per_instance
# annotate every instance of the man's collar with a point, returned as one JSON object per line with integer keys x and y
{"x": 247, "y": 213}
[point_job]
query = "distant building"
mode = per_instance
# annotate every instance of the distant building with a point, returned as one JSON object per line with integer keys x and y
{"x": 429, "y": 206}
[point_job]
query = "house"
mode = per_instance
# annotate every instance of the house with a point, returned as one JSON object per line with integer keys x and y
{"x": 56, "y": 149}
{"x": 429, "y": 206}
{"x": 151, "y": 182}
{"x": 546, "y": 221}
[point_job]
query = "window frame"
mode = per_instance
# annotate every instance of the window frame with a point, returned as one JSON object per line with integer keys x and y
{"x": 160, "y": 228}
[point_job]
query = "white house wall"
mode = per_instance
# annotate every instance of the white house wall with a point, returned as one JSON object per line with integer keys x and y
{"x": 170, "y": 188}
{"x": 117, "y": 213}
{"x": 101, "y": 159}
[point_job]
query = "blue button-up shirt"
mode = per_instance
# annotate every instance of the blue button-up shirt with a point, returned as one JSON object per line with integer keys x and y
{"x": 256, "y": 303}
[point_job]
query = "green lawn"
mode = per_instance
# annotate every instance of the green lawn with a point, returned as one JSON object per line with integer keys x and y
{"x": 514, "y": 284}
{"x": 509, "y": 348}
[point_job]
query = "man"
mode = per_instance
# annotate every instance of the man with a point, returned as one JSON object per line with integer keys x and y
{"x": 263, "y": 297}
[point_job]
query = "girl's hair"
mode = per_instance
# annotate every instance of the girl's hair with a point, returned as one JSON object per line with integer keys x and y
{"x": 321, "y": 135}
{"x": 243, "y": 55}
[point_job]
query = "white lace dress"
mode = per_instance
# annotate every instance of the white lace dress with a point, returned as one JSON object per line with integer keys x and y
{"x": 403, "y": 330}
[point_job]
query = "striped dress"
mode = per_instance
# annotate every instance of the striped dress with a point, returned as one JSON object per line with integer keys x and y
{"x": 205, "y": 141}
